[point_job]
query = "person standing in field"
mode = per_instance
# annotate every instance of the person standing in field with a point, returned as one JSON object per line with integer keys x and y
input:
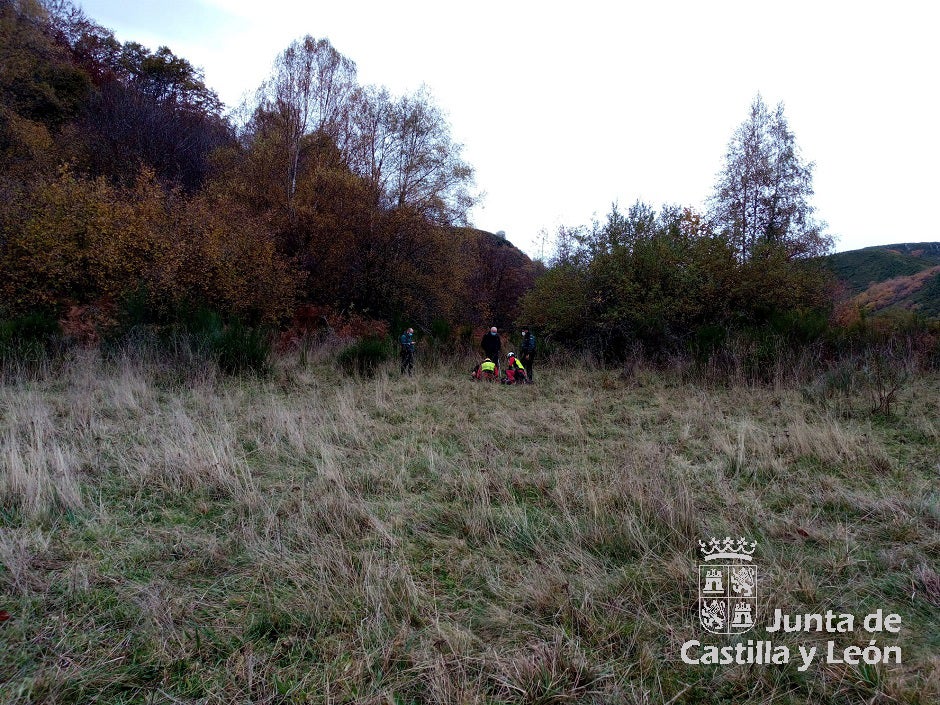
{"x": 492, "y": 345}
{"x": 407, "y": 352}
{"x": 528, "y": 352}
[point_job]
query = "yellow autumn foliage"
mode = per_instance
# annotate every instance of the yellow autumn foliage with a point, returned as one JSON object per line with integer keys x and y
{"x": 80, "y": 240}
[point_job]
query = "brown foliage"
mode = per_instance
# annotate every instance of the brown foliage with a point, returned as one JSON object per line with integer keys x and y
{"x": 84, "y": 324}
{"x": 883, "y": 294}
{"x": 495, "y": 277}
{"x": 80, "y": 241}
{"x": 319, "y": 206}
{"x": 225, "y": 257}
{"x": 312, "y": 321}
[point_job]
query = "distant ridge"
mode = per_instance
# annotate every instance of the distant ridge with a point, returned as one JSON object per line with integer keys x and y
{"x": 883, "y": 277}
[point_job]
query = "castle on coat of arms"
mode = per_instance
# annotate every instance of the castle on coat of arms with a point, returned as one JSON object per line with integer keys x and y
{"x": 727, "y": 602}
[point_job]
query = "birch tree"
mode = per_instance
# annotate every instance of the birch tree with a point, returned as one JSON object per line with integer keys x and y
{"x": 404, "y": 148}
{"x": 308, "y": 93}
{"x": 762, "y": 195}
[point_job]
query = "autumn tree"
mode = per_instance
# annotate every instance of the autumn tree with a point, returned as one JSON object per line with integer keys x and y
{"x": 119, "y": 175}
{"x": 643, "y": 277}
{"x": 109, "y": 107}
{"x": 762, "y": 195}
{"x": 404, "y": 148}
{"x": 308, "y": 93}
{"x": 370, "y": 139}
{"x": 37, "y": 80}
{"x": 150, "y": 108}
{"x": 483, "y": 277}
{"x": 356, "y": 183}
{"x": 40, "y": 91}
{"x": 427, "y": 173}
{"x": 76, "y": 240}
{"x": 79, "y": 241}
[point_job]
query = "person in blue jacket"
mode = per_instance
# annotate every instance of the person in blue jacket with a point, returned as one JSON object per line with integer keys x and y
{"x": 528, "y": 352}
{"x": 407, "y": 352}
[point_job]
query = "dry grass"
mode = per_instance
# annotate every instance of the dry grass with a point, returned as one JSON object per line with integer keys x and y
{"x": 174, "y": 535}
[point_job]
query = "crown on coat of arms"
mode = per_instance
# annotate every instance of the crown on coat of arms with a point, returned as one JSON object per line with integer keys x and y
{"x": 740, "y": 548}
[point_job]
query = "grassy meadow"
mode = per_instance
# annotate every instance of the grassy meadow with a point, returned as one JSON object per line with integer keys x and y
{"x": 169, "y": 534}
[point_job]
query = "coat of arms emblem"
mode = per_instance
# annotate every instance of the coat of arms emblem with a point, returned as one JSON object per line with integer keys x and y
{"x": 727, "y": 591}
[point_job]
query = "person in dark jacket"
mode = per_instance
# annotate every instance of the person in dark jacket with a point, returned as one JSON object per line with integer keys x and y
{"x": 528, "y": 352}
{"x": 492, "y": 345}
{"x": 407, "y": 352}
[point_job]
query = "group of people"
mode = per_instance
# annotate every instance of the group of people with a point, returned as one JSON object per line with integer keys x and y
{"x": 518, "y": 369}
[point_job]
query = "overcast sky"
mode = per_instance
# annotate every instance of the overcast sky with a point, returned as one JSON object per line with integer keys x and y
{"x": 563, "y": 108}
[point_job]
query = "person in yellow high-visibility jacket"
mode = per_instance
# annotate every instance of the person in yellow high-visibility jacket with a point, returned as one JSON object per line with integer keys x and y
{"x": 486, "y": 370}
{"x": 515, "y": 371}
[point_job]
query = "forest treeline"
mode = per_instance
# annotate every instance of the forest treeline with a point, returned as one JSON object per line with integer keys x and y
{"x": 128, "y": 192}
{"x": 745, "y": 283}
{"x": 124, "y": 186}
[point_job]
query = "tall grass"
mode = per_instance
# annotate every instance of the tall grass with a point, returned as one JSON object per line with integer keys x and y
{"x": 173, "y": 534}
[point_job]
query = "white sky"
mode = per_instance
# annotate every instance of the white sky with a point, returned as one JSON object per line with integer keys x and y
{"x": 563, "y": 108}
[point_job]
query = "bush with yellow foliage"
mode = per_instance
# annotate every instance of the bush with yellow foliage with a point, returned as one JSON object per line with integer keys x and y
{"x": 80, "y": 240}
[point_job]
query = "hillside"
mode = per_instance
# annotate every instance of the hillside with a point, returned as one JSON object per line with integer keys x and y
{"x": 139, "y": 146}
{"x": 904, "y": 276}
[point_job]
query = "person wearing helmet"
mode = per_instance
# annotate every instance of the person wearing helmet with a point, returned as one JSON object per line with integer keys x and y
{"x": 515, "y": 372}
{"x": 486, "y": 370}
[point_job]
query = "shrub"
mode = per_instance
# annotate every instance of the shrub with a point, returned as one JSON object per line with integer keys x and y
{"x": 234, "y": 346}
{"x": 239, "y": 349}
{"x": 27, "y": 337}
{"x": 135, "y": 309}
{"x": 80, "y": 241}
{"x": 364, "y": 356}
{"x": 708, "y": 340}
